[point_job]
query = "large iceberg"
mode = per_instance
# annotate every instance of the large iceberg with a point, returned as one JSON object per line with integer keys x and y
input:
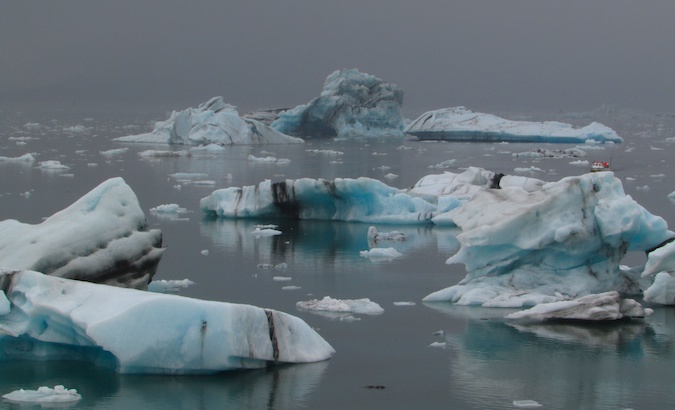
{"x": 462, "y": 124}
{"x": 351, "y": 104}
{"x": 103, "y": 237}
{"x": 213, "y": 122}
{"x": 558, "y": 243}
{"x": 134, "y": 331}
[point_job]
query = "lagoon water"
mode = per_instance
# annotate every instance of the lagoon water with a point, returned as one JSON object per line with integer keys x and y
{"x": 414, "y": 355}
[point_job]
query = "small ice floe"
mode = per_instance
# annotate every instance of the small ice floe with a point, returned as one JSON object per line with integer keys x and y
{"x": 52, "y": 165}
{"x": 408, "y": 303}
{"x": 269, "y": 160}
{"x": 31, "y": 125}
{"x": 187, "y": 176}
{"x": 278, "y": 266}
{"x": 526, "y": 404}
{"x": 594, "y": 307}
{"x": 581, "y": 163}
{"x": 205, "y": 252}
{"x": 375, "y": 236}
{"x": 391, "y": 176}
{"x": 24, "y": 158}
{"x": 325, "y": 151}
{"x": 113, "y": 152}
{"x": 658, "y": 176}
{"x": 381, "y": 254}
{"x": 438, "y": 344}
{"x": 531, "y": 169}
{"x": 205, "y": 182}
{"x": 552, "y": 153}
{"x": 75, "y": 129}
{"x": 357, "y": 306}
{"x": 265, "y": 232}
{"x": 92, "y": 164}
{"x": 169, "y": 286}
{"x": 444, "y": 164}
{"x": 671, "y": 196}
{"x": 282, "y": 278}
{"x": 168, "y": 209}
{"x": 152, "y": 153}
{"x": 58, "y": 394}
{"x": 291, "y": 287}
{"x": 643, "y": 188}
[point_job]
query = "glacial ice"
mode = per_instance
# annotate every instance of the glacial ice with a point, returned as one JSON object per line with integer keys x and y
{"x": 135, "y": 331}
{"x": 44, "y": 395}
{"x": 351, "y": 104}
{"x": 661, "y": 265}
{"x": 103, "y": 237}
{"x": 462, "y": 124}
{"x": 561, "y": 242}
{"x": 213, "y": 122}
{"x": 328, "y": 304}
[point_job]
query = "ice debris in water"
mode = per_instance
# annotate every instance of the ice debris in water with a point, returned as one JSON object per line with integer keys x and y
{"x": 44, "y": 394}
{"x": 359, "y": 306}
{"x": 381, "y": 254}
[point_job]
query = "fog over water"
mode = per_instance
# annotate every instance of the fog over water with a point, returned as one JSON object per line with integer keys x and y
{"x": 487, "y": 55}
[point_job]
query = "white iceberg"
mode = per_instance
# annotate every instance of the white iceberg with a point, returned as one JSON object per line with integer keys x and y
{"x": 135, "y": 331}
{"x": 561, "y": 242}
{"x": 44, "y": 394}
{"x": 462, "y": 124}
{"x": 381, "y": 254}
{"x": 328, "y": 304}
{"x": 103, "y": 237}
{"x": 596, "y": 307}
{"x": 213, "y": 122}
{"x": 661, "y": 265}
{"x": 351, "y": 104}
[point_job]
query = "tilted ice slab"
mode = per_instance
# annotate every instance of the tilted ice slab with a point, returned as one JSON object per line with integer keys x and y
{"x": 103, "y": 237}
{"x": 351, "y": 104}
{"x": 462, "y": 124}
{"x": 661, "y": 265}
{"x": 213, "y": 122}
{"x": 604, "y": 306}
{"x": 135, "y": 331}
{"x": 561, "y": 242}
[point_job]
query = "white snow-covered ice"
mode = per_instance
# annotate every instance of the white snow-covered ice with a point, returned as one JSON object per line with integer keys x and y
{"x": 462, "y": 124}
{"x": 213, "y": 122}
{"x": 134, "y": 331}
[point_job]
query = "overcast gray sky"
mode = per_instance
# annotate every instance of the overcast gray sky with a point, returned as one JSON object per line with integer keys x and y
{"x": 487, "y": 55}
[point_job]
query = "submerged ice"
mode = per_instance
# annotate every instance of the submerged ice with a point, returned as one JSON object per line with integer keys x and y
{"x": 213, "y": 122}
{"x": 135, "y": 331}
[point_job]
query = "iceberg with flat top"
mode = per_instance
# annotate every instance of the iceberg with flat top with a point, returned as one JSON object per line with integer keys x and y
{"x": 462, "y": 124}
{"x": 103, "y": 237}
{"x": 558, "y": 243}
{"x": 134, "y": 331}
{"x": 351, "y": 104}
{"x": 213, "y": 122}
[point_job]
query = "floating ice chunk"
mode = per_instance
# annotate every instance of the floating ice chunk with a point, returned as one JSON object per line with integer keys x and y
{"x": 32, "y": 125}
{"x": 205, "y": 252}
{"x": 462, "y": 124}
{"x": 136, "y": 331}
{"x": 408, "y": 303}
{"x": 359, "y": 306}
{"x": 374, "y": 236}
{"x": 351, "y": 104}
{"x": 391, "y": 176}
{"x": 662, "y": 291}
{"x": 601, "y": 307}
{"x": 266, "y": 232}
{"x": 58, "y": 394}
{"x": 556, "y": 153}
{"x": 530, "y": 169}
{"x": 211, "y": 122}
{"x": 581, "y": 163}
{"x": 168, "y": 209}
{"x": 291, "y": 287}
{"x": 151, "y": 153}
{"x": 444, "y": 164}
{"x": 325, "y": 151}
{"x": 381, "y": 254}
{"x": 29, "y": 158}
{"x": 75, "y": 129}
{"x": 113, "y": 152}
{"x": 526, "y": 403}
{"x": 188, "y": 175}
{"x": 438, "y": 344}
{"x": 52, "y": 165}
{"x": 282, "y": 278}
{"x": 169, "y": 286}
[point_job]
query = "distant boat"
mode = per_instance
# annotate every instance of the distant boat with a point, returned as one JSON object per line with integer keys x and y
{"x": 597, "y": 166}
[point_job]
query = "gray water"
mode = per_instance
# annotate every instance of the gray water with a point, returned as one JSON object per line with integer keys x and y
{"x": 478, "y": 360}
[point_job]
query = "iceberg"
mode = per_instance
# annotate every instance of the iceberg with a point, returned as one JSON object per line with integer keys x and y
{"x": 43, "y": 395}
{"x": 134, "y": 331}
{"x": 558, "y": 243}
{"x": 661, "y": 265}
{"x": 213, "y": 122}
{"x": 103, "y": 237}
{"x": 351, "y": 104}
{"x": 462, "y": 124}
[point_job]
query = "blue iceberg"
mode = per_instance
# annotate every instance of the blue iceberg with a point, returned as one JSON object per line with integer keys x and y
{"x": 462, "y": 124}
{"x": 351, "y": 104}
{"x": 213, "y": 122}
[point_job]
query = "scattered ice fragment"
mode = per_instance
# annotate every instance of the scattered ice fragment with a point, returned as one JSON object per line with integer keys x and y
{"x": 163, "y": 154}
{"x": 282, "y": 278}
{"x": 205, "y": 252}
{"x": 75, "y": 129}
{"x": 381, "y": 254}
{"x": 265, "y": 232}
{"x": 270, "y": 160}
{"x": 375, "y": 236}
{"x": 291, "y": 287}
{"x": 526, "y": 170}
{"x": 31, "y": 125}
{"x": 188, "y": 175}
{"x": 168, "y": 209}
{"x": 526, "y": 403}
{"x": 358, "y": 306}
{"x": 325, "y": 151}
{"x": 52, "y": 165}
{"x": 409, "y": 303}
{"x": 438, "y": 344}
{"x": 169, "y": 286}
{"x": 444, "y": 164}
{"x": 24, "y": 158}
{"x": 391, "y": 176}
{"x": 113, "y": 152}
{"x": 43, "y": 394}
{"x": 281, "y": 266}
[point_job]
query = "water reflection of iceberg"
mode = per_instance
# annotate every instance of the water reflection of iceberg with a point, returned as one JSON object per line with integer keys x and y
{"x": 325, "y": 241}
{"x": 278, "y": 387}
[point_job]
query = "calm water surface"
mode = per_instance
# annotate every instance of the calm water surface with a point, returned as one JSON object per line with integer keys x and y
{"x": 477, "y": 361}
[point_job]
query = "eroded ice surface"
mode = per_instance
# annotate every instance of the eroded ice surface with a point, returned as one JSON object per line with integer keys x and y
{"x": 213, "y": 122}
{"x": 136, "y": 331}
{"x": 462, "y": 124}
{"x": 561, "y": 242}
{"x": 661, "y": 265}
{"x": 103, "y": 237}
{"x": 351, "y": 104}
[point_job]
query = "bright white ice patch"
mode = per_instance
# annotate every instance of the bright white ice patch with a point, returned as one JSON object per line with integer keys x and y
{"x": 58, "y": 394}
